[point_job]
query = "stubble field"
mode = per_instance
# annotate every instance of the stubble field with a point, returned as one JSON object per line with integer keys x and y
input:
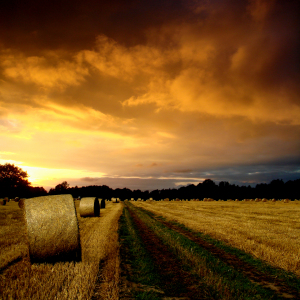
{"x": 64, "y": 280}
{"x": 163, "y": 250}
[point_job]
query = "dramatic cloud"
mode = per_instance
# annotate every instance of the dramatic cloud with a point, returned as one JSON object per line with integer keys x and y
{"x": 150, "y": 93}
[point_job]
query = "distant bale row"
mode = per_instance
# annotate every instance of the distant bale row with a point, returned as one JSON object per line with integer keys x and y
{"x": 209, "y": 200}
{"x": 115, "y": 200}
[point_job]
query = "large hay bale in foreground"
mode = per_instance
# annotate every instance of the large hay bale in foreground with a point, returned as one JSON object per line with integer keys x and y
{"x": 52, "y": 229}
{"x": 89, "y": 207}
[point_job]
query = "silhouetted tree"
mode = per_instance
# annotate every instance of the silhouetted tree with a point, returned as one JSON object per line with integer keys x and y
{"x": 155, "y": 194}
{"x": 207, "y": 189}
{"x": 61, "y": 188}
{"x": 14, "y": 183}
{"x": 13, "y": 180}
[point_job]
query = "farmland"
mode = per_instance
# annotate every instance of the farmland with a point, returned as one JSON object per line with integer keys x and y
{"x": 63, "y": 280}
{"x": 163, "y": 250}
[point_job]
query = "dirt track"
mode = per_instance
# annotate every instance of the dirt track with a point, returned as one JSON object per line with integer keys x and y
{"x": 175, "y": 281}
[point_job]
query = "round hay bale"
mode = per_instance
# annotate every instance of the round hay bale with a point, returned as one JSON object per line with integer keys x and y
{"x": 52, "y": 229}
{"x": 89, "y": 207}
{"x": 17, "y": 199}
{"x": 3, "y": 202}
{"x": 21, "y": 203}
{"x": 102, "y": 203}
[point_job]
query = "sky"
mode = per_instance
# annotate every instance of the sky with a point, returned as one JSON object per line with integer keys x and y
{"x": 150, "y": 94}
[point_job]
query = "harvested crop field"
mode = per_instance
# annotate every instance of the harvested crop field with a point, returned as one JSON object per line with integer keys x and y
{"x": 203, "y": 267}
{"x": 163, "y": 250}
{"x": 63, "y": 280}
{"x": 267, "y": 230}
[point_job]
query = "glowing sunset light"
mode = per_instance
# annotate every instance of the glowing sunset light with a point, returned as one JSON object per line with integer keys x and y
{"x": 97, "y": 93}
{"x": 47, "y": 177}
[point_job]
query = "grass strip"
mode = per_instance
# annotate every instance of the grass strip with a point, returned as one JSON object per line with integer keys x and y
{"x": 142, "y": 267}
{"x": 229, "y": 283}
{"x": 289, "y": 278}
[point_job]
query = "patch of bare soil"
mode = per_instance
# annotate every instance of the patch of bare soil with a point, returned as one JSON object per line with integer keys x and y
{"x": 248, "y": 270}
{"x": 175, "y": 281}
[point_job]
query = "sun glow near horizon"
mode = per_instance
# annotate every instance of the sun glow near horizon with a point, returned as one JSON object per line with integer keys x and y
{"x": 50, "y": 177}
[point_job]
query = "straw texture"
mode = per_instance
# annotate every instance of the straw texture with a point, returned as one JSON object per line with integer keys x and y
{"x": 89, "y": 207}
{"x": 52, "y": 229}
{"x": 21, "y": 203}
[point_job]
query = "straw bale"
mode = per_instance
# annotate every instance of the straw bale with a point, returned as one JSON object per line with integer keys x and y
{"x": 89, "y": 207}
{"x": 102, "y": 203}
{"x": 2, "y": 201}
{"x": 21, "y": 203}
{"x": 52, "y": 229}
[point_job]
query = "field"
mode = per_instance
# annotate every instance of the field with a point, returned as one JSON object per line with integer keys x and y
{"x": 163, "y": 250}
{"x": 21, "y": 280}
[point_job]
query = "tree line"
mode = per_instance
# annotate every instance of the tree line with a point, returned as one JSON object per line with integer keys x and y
{"x": 207, "y": 189}
{"x": 14, "y": 183}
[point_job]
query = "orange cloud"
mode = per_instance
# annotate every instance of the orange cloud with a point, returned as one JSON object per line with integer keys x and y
{"x": 41, "y": 71}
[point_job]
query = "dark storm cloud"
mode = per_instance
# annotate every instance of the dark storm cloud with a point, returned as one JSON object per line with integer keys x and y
{"x": 75, "y": 24}
{"x": 285, "y": 168}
